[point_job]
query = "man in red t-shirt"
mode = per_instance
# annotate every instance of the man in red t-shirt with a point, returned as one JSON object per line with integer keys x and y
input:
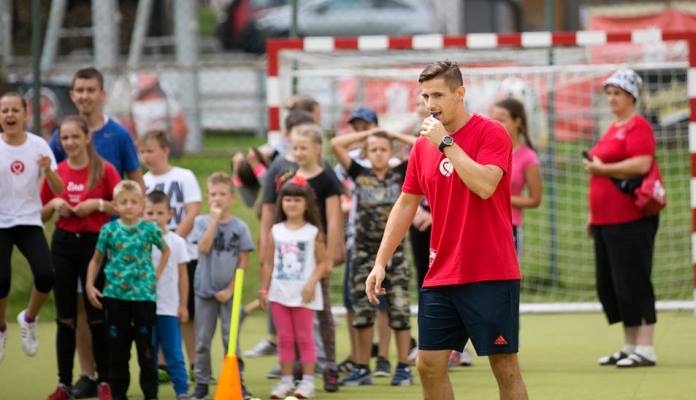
{"x": 461, "y": 164}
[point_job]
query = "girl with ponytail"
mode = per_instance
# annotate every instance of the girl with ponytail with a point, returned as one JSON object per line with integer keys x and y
{"x": 526, "y": 172}
{"x": 82, "y": 208}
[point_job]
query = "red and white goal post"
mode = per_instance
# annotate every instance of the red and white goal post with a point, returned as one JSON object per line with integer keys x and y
{"x": 558, "y": 76}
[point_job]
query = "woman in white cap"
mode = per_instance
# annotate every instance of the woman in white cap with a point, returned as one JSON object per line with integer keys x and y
{"x": 624, "y": 236}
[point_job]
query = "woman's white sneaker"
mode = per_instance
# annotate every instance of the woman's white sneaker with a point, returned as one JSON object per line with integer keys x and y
{"x": 30, "y": 338}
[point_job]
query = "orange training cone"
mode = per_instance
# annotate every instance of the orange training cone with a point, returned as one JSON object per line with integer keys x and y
{"x": 230, "y": 383}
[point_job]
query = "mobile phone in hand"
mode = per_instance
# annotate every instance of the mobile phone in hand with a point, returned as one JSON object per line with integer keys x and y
{"x": 586, "y": 155}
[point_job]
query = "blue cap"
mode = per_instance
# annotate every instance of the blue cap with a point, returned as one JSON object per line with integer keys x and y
{"x": 364, "y": 114}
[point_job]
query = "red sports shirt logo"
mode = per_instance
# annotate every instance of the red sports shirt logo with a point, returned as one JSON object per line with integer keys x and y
{"x": 17, "y": 167}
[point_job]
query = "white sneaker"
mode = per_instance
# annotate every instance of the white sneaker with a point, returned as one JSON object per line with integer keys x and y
{"x": 30, "y": 338}
{"x": 281, "y": 390}
{"x": 304, "y": 390}
{"x": 465, "y": 358}
{"x": 412, "y": 355}
{"x": 3, "y": 338}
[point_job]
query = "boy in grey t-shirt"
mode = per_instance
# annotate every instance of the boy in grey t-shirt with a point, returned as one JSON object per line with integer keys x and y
{"x": 224, "y": 243}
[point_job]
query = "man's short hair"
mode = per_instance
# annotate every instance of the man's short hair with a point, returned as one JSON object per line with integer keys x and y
{"x": 296, "y": 118}
{"x": 158, "y": 136}
{"x": 88, "y": 73}
{"x": 220, "y": 177}
{"x": 447, "y": 70}
{"x": 158, "y": 197}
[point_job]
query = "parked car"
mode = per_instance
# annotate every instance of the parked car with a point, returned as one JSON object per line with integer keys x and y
{"x": 337, "y": 18}
{"x": 239, "y": 14}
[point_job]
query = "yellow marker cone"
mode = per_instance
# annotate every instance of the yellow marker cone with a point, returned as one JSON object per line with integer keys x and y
{"x": 229, "y": 383}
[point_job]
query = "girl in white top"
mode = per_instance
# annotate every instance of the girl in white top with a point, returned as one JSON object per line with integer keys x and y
{"x": 24, "y": 160}
{"x": 293, "y": 265}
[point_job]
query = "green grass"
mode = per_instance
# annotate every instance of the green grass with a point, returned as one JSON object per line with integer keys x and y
{"x": 207, "y": 21}
{"x": 558, "y": 360}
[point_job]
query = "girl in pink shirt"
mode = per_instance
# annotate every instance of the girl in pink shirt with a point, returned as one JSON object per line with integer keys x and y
{"x": 525, "y": 163}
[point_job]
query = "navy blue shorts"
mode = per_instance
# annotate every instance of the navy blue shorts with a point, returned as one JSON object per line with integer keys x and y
{"x": 487, "y": 312}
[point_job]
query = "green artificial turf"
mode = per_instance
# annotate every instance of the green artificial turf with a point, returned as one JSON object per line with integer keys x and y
{"x": 558, "y": 359}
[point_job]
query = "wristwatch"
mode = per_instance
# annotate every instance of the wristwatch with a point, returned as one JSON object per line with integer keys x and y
{"x": 447, "y": 141}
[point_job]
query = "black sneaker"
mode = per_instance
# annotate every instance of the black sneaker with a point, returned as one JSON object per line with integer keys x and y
{"x": 84, "y": 388}
{"x": 330, "y": 380}
{"x": 200, "y": 393}
{"x": 346, "y": 366}
{"x": 382, "y": 367}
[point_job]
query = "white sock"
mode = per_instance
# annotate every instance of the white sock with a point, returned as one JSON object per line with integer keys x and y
{"x": 647, "y": 352}
{"x": 286, "y": 379}
{"x": 308, "y": 378}
{"x": 628, "y": 348}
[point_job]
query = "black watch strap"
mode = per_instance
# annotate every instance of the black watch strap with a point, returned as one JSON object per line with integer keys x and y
{"x": 447, "y": 141}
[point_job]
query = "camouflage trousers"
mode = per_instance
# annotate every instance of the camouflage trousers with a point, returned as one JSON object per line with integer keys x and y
{"x": 396, "y": 283}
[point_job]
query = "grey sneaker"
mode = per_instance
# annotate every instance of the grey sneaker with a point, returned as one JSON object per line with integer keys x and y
{"x": 200, "y": 393}
{"x": 182, "y": 396}
{"x": 382, "y": 367}
{"x": 263, "y": 348}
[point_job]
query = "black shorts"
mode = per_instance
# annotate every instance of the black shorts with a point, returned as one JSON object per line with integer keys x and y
{"x": 623, "y": 265}
{"x": 191, "y": 268}
{"x": 486, "y": 312}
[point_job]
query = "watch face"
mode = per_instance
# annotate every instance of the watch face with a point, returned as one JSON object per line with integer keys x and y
{"x": 447, "y": 141}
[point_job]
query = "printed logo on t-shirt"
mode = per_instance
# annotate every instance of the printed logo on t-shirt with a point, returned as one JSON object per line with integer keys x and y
{"x": 620, "y": 134}
{"x": 74, "y": 192}
{"x": 221, "y": 243}
{"x": 17, "y": 167}
{"x": 75, "y": 187}
{"x": 291, "y": 263}
{"x": 175, "y": 192}
{"x": 446, "y": 167}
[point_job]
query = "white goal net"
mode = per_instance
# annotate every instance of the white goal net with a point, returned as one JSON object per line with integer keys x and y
{"x": 567, "y": 113}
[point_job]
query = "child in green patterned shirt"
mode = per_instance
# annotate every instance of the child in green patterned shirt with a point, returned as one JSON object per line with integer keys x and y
{"x": 130, "y": 288}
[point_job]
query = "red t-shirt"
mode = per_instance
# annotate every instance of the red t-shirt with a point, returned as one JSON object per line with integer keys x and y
{"x": 609, "y": 205}
{"x": 75, "y": 192}
{"x": 471, "y": 238}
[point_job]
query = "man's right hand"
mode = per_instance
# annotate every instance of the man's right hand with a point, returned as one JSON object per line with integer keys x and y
{"x": 373, "y": 284}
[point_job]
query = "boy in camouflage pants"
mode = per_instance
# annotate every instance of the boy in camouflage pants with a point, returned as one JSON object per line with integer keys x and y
{"x": 377, "y": 189}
